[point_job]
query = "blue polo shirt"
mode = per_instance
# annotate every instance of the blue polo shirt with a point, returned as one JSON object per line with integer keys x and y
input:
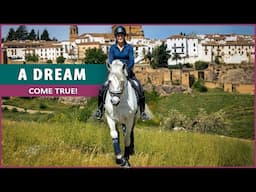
{"x": 126, "y": 55}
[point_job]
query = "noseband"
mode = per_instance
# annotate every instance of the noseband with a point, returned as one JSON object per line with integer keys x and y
{"x": 116, "y": 95}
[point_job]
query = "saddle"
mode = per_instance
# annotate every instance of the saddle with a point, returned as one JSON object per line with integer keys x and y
{"x": 135, "y": 86}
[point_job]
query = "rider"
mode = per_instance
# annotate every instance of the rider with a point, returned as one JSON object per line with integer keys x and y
{"x": 123, "y": 51}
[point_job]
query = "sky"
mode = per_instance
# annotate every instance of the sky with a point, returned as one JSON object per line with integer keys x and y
{"x": 61, "y": 32}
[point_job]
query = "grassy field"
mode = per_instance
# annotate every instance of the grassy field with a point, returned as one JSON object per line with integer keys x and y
{"x": 70, "y": 137}
{"x": 77, "y": 144}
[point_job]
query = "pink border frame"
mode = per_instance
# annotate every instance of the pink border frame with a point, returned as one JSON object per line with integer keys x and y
{"x": 176, "y": 167}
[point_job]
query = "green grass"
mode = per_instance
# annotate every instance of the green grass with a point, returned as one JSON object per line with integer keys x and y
{"x": 211, "y": 102}
{"x": 89, "y": 144}
{"x": 239, "y": 108}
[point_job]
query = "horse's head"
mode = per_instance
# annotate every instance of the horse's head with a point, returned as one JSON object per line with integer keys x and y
{"x": 117, "y": 79}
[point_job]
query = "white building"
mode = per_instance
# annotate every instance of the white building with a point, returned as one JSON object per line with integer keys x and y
{"x": 69, "y": 50}
{"x": 49, "y": 52}
{"x": 187, "y": 47}
{"x": 222, "y": 48}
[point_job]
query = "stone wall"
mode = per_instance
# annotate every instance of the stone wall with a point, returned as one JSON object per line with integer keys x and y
{"x": 228, "y": 87}
{"x": 245, "y": 88}
{"x": 215, "y": 76}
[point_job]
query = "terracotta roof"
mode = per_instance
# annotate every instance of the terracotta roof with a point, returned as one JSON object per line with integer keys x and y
{"x": 177, "y": 37}
{"x": 229, "y": 43}
{"x": 27, "y": 43}
{"x": 89, "y": 43}
{"x": 105, "y": 35}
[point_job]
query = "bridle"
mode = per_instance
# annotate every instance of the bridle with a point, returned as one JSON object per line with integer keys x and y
{"x": 116, "y": 94}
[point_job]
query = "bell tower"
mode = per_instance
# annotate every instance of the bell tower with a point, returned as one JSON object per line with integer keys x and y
{"x": 73, "y": 33}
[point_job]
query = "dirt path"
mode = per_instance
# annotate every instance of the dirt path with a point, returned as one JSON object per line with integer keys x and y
{"x": 31, "y": 111}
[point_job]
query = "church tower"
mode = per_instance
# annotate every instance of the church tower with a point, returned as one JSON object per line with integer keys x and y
{"x": 133, "y": 31}
{"x": 73, "y": 33}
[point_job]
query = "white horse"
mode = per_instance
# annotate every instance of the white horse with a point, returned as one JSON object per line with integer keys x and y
{"x": 121, "y": 108}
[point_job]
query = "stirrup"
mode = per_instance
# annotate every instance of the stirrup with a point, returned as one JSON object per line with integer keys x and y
{"x": 144, "y": 116}
{"x": 98, "y": 114}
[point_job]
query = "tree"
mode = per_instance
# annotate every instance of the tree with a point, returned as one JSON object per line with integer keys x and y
{"x": 49, "y": 61}
{"x": 33, "y": 58}
{"x": 45, "y": 35}
{"x": 11, "y": 35}
{"x": 176, "y": 57}
{"x": 164, "y": 55}
{"x": 60, "y": 60}
{"x": 160, "y": 56}
{"x": 149, "y": 57}
{"x": 32, "y": 35}
{"x": 217, "y": 59}
{"x": 201, "y": 65}
{"x": 37, "y": 36}
{"x": 21, "y": 33}
{"x": 95, "y": 56}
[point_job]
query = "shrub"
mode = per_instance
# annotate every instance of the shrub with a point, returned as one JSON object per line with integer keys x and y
{"x": 42, "y": 106}
{"x": 14, "y": 109}
{"x": 213, "y": 123}
{"x": 201, "y": 65}
{"x": 199, "y": 86}
{"x": 175, "y": 119}
{"x": 49, "y": 61}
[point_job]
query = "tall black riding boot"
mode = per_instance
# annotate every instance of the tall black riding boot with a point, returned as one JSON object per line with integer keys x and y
{"x": 99, "y": 111}
{"x": 143, "y": 115}
{"x": 100, "y": 108}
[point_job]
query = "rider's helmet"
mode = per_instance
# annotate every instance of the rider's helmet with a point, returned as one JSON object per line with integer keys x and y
{"x": 120, "y": 30}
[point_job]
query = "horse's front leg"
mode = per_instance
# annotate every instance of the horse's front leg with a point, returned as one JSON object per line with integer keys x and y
{"x": 129, "y": 140}
{"x": 116, "y": 144}
{"x": 114, "y": 135}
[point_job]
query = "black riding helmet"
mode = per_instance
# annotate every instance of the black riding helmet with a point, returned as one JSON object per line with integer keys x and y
{"x": 120, "y": 29}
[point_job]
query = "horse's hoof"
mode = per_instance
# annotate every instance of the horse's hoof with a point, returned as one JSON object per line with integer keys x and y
{"x": 123, "y": 162}
{"x": 120, "y": 161}
{"x": 126, "y": 164}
